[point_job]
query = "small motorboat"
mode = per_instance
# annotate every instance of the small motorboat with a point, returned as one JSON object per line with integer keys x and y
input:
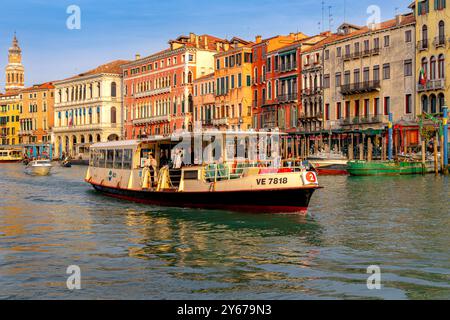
{"x": 331, "y": 163}
{"x": 39, "y": 167}
{"x": 66, "y": 163}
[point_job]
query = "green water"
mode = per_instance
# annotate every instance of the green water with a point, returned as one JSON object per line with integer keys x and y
{"x": 133, "y": 251}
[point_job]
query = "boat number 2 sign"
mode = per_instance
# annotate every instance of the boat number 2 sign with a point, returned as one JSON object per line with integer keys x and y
{"x": 309, "y": 178}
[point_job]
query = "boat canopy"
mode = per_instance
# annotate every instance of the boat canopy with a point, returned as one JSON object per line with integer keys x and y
{"x": 116, "y": 144}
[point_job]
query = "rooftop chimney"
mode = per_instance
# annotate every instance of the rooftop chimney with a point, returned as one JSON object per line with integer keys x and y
{"x": 258, "y": 39}
{"x": 205, "y": 42}
{"x": 138, "y": 56}
{"x": 399, "y": 19}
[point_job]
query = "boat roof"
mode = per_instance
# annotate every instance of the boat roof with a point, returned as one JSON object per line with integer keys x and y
{"x": 173, "y": 138}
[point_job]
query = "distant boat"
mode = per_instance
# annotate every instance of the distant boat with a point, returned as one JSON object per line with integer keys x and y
{"x": 10, "y": 156}
{"x": 39, "y": 167}
{"x": 329, "y": 163}
{"x": 388, "y": 168}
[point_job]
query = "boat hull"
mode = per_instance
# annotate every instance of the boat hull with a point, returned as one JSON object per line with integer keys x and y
{"x": 386, "y": 168}
{"x": 261, "y": 201}
{"x": 39, "y": 171}
{"x": 330, "y": 167}
{"x": 10, "y": 161}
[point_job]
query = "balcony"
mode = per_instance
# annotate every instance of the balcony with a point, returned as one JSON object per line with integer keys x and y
{"x": 311, "y": 91}
{"x": 220, "y": 122}
{"x": 85, "y": 127}
{"x": 440, "y": 41}
{"x": 362, "y": 53}
{"x": 153, "y": 92}
{"x": 360, "y": 87}
{"x": 25, "y": 132}
{"x": 422, "y": 45}
{"x": 306, "y": 117}
{"x": 151, "y": 120}
{"x": 359, "y": 120}
{"x": 290, "y": 97}
{"x": 438, "y": 84}
{"x": 286, "y": 67}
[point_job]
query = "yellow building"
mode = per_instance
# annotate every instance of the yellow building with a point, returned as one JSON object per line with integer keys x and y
{"x": 10, "y": 107}
{"x": 233, "y": 76}
{"x": 432, "y": 34}
{"x": 37, "y": 117}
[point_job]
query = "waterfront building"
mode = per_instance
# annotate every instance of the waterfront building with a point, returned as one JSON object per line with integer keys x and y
{"x": 10, "y": 107}
{"x": 158, "y": 93}
{"x": 263, "y": 66}
{"x": 432, "y": 65}
{"x": 314, "y": 113}
{"x": 233, "y": 76}
{"x": 37, "y": 115}
{"x": 368, "y": 73}
{"x": 88, "y": 109}
{"x": 204, "y": 100}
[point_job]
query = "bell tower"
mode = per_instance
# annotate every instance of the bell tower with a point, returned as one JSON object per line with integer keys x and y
{"x": 15, "y": 71}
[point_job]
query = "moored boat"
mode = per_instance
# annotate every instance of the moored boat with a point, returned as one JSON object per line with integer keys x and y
{"x": 116, "y": 169}
{"x": 10, "y": 156}
{"x": 329, "y": 163}
{"x": 388, "y": 168}
{"x": 39, "y": 167}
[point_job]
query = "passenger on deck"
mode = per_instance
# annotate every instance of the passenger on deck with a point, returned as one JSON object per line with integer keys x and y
{"x": 178, "y": 159}
{"x": 152, "y": 165}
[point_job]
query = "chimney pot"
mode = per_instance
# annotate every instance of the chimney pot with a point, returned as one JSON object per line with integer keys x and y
{"x": 138, "y": 56}
{"x": 258, "y": 39}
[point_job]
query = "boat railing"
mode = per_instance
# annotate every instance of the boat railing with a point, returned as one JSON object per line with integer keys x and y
{"x": 214, "y": 172}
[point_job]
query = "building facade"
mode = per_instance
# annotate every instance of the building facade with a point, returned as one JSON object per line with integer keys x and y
{"x": 233, "y": 76}
{"x": 158, "y": 92}
{"x": 432, "y": 65}
{"x": 205, "y": 100}
{"x": 370, "y": 73}
{"x": 37, "y": 116}
{"x": 88, "y": 109}
{"x": 10, "y": 108}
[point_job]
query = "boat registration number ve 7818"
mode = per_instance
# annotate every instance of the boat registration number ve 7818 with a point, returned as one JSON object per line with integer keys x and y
{"x": 271, "y": 181}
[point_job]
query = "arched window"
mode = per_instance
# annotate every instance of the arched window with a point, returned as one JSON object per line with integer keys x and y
{"x": 441, "y": 32}
{"x": 424, "y": 35}
{"x": 425, "y": 66}
{"x": 190, "y": 77}
{"x": 441, "y": 66}
{"x": 424, "y": 103}
{"x": 432, "y": 68}
{"x": 113, "y": 90}
{"x": 269, "y": 90}
{"x": 113, "y": 115}
{"x": 433, "y": 103}
{"x": 441, "y": 100}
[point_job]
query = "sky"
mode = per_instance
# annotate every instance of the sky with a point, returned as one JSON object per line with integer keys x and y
{"x": 118, "y": 29}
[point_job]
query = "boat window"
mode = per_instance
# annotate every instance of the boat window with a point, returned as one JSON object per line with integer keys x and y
{"x": 100, "y": 160}
{"x": 109, "y": 159}
{"x": 127, "y": 159}
{"x": 118, "y": 159}
{"x": 191, "y": 175}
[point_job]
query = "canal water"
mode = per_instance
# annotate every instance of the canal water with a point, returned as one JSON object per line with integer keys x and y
{"x": 132, "y": 251}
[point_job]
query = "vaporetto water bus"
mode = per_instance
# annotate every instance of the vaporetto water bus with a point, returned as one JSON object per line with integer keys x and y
{"x": 118, "y": 169}
{"x": 10, "y": 156}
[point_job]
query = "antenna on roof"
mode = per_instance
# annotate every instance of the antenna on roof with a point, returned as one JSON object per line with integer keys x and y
{"x": 345, "y": 11}
{"x": 323, "y": 14}
{"x": 396, "y": 11}
{"x": 330, "y": 18}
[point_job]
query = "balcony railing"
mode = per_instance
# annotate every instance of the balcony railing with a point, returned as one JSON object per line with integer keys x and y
{"x": 364, "y": 119}
{"x": 360, "y": 87}
{"x": 422, "y": 45}
{"x": 290, "y": 97}
{"x": 220, "y": 122}
{"x": 440, "y": 41}
{"x": 311, "y": 91}
{"x": 285, "y": 67}
{"x": 155, "y": 119}
{"x": 362, "y": 53}
{"x": 81, "y": 127}
{"x": 311, "y": 117}
{"x": 431, "y": 85}
{"x": 153, "y": 92}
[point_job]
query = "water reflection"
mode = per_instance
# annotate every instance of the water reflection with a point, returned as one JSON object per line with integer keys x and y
{"x": 130, "y": 250}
